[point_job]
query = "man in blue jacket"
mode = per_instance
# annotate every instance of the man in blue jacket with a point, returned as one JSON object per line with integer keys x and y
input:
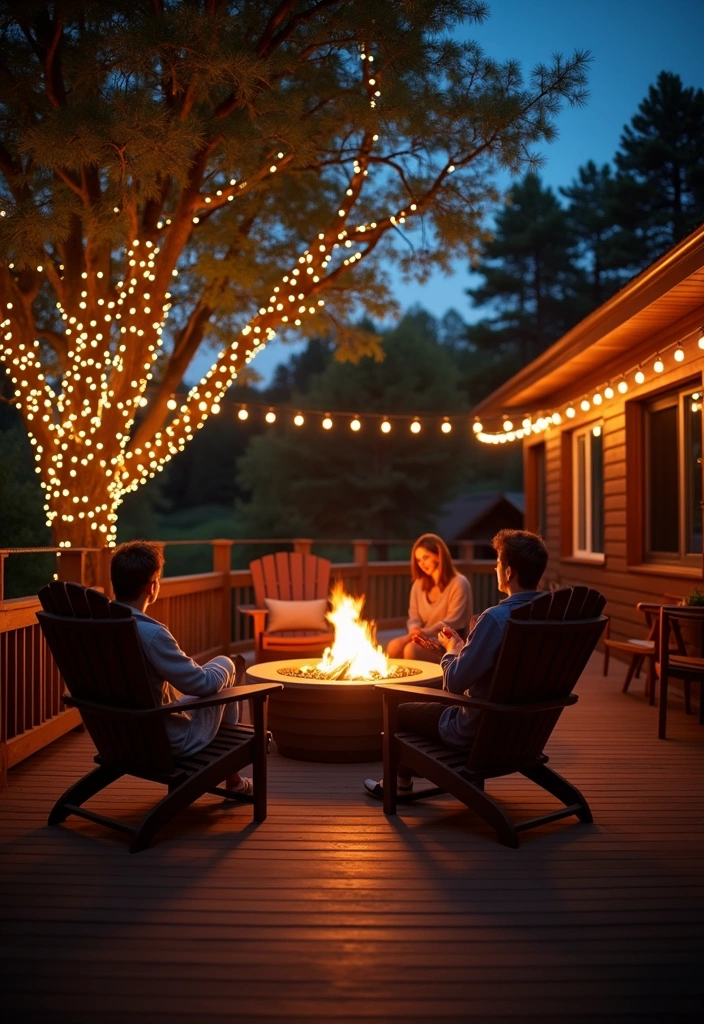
{"x": 468, "y": 666}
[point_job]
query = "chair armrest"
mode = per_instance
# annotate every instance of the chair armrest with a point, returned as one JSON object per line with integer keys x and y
{"x": 251, "y": 609}
{"x": 398, "y": 694}
{"x": 228, "y": 694}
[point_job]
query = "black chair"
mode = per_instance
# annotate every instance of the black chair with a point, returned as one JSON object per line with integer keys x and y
{"x": 97, "y": 649}
{"x": 545, "y": 649}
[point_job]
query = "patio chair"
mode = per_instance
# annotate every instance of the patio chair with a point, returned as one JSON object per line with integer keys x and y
{"x": 680, "y": 655}
{"x": 639, "y": 650}
{"x": 545, "y": 648}
{"x": 97, "y": 649}
{"x": 290, "y": 592}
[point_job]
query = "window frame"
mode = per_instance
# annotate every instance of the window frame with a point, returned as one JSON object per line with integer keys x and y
{"x": 672, "y": 398}
{"x": 586, "y": 554}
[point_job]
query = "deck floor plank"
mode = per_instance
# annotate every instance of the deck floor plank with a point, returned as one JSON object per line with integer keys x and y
{"x": 329, "y": 912}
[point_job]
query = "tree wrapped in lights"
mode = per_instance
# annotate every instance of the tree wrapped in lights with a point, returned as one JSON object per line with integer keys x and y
{"x": 228, "y": 163}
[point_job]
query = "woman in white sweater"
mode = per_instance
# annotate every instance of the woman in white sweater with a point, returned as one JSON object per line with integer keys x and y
{"x": 439, "y": 596}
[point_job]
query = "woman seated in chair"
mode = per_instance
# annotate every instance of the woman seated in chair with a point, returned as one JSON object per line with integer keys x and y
{"x": 439, "y": 596}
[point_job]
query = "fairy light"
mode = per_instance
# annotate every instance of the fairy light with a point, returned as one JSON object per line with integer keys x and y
{"x": 243, "y": 414}
{"x": 270, "y": 416}
{"x": 639, "y": 377}
{"x": 385, "y": 427}
{"x": 415, "y": 427}
{"x": 327, "y": 423}
{"x": 355, "y": 425}
{"x": 298, "y": 420}
{"x": 446, "y": 426}
{"x": 679, "y": 354}
{"x": 658, "y": 365}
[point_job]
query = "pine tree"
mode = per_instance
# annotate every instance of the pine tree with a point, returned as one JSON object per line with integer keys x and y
{"x": 660, "y": 164}
{"x": 600, "y": 246}
{"x": 530, "y": 275}
{"x": 227, "y": 164}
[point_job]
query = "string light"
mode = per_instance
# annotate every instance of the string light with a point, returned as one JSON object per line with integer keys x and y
{"x": 385, "y": 427}
{"x": 415, "y": 427}
{"x": 604, "y": 393}
{"x": 355, "y": 425}
{"x": 270, "y": 416}
{"x": 327, "y": 423}
{"x": 243, "y": 414}
{"x": 298, "y": 420}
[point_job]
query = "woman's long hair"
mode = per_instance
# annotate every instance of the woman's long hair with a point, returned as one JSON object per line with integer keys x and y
{"x": 431, "y": 542}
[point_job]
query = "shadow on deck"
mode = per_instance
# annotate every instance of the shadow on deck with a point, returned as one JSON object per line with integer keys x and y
{"x": 330, "y": 912}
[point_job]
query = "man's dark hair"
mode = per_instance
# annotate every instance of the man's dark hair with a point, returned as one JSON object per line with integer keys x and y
{"x": 133, "y": 566}
{"x": 524, "y": 552}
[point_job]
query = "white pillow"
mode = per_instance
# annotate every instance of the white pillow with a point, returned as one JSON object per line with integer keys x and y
{"x": 296, "y": 615}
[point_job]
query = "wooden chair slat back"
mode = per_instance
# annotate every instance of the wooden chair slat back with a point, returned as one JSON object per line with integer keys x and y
{"x": 290, "y": 576}
{"x": 559, "y": 603}
{"x": 576, "y": 602}
{"x": 101, "y": 660}
{"x": 539, "y": 660}
{"x": 76, "y": 595}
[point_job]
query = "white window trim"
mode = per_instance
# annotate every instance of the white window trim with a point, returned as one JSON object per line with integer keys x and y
{"x": 583, "y": 554}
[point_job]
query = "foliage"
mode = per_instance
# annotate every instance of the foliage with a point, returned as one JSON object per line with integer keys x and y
{"x": 549, "y": 265}
{"x": 247, "y": 147}
{"x": 310, "y": 482}
{"x": 695, "y": 597}
{"x": 21, "y": 516}
{"x": 660, "y": 164}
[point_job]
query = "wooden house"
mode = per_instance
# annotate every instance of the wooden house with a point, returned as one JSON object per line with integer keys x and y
{"x": 610, "y": 419}
{"x": 478, "y": 517}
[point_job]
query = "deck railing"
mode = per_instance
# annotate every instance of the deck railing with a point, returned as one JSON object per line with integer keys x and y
{"x": 200, "y": 609}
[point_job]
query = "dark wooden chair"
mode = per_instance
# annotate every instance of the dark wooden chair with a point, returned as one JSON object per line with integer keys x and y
{"x": 680, "y": 655}
{"x": 288, "y": 576}
{"x": 97, "y": 649}
{"x": 545, "y": 649}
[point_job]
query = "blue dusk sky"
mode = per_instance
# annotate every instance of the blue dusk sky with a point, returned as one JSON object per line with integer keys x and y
{"x": 631, "y": 41}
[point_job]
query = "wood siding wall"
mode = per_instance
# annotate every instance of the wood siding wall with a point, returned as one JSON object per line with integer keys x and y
{"x": 622, "y": 578}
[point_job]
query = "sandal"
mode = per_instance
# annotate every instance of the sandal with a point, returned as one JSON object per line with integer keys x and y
{"x": 243, "y": 790}
{"x": 376, "y": 789}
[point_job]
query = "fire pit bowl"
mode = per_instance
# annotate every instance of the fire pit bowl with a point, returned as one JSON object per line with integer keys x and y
{"x": 332, "y": 722}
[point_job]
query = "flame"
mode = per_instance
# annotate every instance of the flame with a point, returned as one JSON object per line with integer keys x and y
{"x": 354, "y": 653}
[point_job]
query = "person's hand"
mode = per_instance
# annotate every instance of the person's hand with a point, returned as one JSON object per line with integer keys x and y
{"x": 416, "y": 631}
{"x": 450, "y": 640}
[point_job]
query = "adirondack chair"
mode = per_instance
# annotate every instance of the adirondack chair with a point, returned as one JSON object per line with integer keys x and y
{"x": 546, "y": 646}
{"x": 291, "y": 577}
{"x": 97, "y": 649}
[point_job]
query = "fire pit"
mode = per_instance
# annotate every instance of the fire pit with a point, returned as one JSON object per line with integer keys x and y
{"x": 336, "y": 722}
{"x": 331, "y": 711}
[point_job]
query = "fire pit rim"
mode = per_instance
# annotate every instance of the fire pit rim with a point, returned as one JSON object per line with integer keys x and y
{"x": 429, "y": 671}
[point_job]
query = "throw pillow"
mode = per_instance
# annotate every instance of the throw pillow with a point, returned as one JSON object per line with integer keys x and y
{"x": 296, "y": 615}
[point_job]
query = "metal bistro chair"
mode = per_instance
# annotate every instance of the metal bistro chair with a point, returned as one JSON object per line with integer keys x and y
{"x": 680, "y": 654}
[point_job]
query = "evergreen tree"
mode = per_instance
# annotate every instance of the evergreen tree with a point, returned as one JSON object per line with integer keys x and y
{"x": 335, "y": 483}
{"x": 599, "y": 245}
{"x": 267, "y": 152}
{"x": 660, "y": 164}
{"x": 531, "y": 283}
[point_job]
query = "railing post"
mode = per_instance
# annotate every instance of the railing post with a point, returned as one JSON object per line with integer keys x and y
{"x": 466, "y": 548}
{"x": 71, "y": 565}
{"x": 360, "y": 550}
{"x": 222, "y": 562}
{"x": 3, "y": 555}
{"x": 105, "y": 581}
{"x": 302, "y": 546}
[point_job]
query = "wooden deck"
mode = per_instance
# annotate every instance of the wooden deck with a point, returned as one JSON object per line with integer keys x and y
{"x": 329, "y": 912}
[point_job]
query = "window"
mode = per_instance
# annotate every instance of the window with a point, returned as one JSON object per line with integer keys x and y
{"x": 588, "y": 491}
{"x": 536, "y": 489}
{"x": 673, "y": 478}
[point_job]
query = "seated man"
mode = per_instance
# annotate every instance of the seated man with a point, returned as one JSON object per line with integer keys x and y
{"x": 135, "y": 571}
{"x": 468, "y": 666}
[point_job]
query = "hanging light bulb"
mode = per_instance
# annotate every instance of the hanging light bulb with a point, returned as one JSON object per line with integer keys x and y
{"x": 700, "y": 342}
{"x": 508, "y": 425}
{"x": 270, "y": 416}
{"x": 327, "y": 423}
{"x": 477, "y": 427}
{"x": 584, "y": 404}
{"x": 679, "y": 354}
{"x": 622, "y": 386}
{"x": 415, "y": 427}
{"x": 570, "y": 412}
{"x": 385, "y": 427}
{"x": 446, "y": 426}
{"x": 355, "y": 425}
{"x": 171, "y": 404}
{"x": 640, "y": 377}
{"x": 597, "y": 399}
{"x": 298, "y": 420}
{"x": 658, "y": 365}
{"x": 243, "y": 414}
{"x": 608, "y": 392}
{"x": 526, "y": 424}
